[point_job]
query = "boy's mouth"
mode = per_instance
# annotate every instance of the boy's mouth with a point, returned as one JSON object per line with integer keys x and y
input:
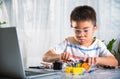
{"x": 81, "y": 40}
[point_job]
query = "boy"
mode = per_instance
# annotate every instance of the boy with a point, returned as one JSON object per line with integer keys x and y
{"x": 83, "y": 23}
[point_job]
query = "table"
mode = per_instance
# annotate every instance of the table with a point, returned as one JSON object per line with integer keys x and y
{"x": 97, "y": 74}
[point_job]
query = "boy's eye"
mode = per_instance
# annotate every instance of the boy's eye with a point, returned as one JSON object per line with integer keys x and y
{"x": 85, "y": 30}
{"x": 77, "y": 30}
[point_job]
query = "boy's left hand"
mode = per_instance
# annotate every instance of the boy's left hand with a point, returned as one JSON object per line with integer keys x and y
{"x": 91, "y": 60}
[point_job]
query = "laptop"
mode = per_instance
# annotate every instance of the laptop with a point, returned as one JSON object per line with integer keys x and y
{"x": 10, "y": 57}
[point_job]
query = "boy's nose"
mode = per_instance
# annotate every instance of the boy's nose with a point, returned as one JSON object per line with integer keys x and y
{"x": 81, "y": 34}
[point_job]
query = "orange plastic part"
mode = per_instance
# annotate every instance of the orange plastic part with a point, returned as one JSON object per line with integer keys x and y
{"x": 86, "y": 66}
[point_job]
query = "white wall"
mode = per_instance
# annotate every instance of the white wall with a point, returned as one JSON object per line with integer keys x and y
{"x": 42, "y": 24}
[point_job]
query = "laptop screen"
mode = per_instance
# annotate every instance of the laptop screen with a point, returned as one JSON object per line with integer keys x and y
{"x": 10, "y": 58}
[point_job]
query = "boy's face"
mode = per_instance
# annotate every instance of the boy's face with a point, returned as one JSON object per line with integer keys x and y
{"x": 84, "y": 31}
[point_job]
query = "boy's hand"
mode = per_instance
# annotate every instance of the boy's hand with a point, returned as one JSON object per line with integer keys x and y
{"x": 91, "y": 60}
{"x": 65, "y": 56}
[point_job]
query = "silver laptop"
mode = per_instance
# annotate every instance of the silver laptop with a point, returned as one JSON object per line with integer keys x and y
{"x": 10, "y": 58}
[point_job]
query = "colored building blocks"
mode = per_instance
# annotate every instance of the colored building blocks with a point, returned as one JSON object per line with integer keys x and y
{"x": 77, "y": 68}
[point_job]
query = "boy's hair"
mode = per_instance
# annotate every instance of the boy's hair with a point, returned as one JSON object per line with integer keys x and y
{"x": 83, "y": 13}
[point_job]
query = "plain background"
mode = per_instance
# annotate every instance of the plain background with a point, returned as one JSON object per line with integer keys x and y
{"x": 41, "y": 24}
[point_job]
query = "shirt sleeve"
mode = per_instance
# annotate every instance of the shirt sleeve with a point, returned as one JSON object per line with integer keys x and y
{"x": 60, "y": 48}
{"x": 104, "y": 51}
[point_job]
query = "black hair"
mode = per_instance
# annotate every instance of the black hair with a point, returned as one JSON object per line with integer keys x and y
{"x": 83, "y": 13}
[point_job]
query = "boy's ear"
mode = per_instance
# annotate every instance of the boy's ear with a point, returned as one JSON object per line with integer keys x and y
{"x": 96, "y": 27}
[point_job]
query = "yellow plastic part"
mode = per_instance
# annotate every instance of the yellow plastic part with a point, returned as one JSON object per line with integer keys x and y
{"x": 68, "y": 69}
{"x": 78, "y": 70}
{"x": 79, "y": 65}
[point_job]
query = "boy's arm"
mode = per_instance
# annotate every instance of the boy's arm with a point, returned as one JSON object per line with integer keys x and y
{"x": 51, "y": 56}
{"x": 107, "y": 60}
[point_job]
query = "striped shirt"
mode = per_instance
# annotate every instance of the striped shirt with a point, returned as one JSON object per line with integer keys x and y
{"x": 97, "y": 49}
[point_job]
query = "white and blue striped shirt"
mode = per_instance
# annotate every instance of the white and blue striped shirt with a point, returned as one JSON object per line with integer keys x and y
{"x": 97, "y": 49}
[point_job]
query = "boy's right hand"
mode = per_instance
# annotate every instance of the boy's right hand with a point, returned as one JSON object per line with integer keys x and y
{"x": 65, "y": 56}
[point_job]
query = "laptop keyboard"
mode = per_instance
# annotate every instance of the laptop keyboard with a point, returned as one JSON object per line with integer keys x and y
{"x": 30, "y": 73}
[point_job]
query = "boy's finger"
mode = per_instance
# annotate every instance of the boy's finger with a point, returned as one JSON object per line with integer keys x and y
{"x": 85, "y": 59}
{"x": 66, "y": 56}
{"x": 89, "y": 60}
{"x": 62, "y": 56}
{"x": 93, "y": 61}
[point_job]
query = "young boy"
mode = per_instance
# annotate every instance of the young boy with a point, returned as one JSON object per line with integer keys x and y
{"x": 83, "y": 23}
